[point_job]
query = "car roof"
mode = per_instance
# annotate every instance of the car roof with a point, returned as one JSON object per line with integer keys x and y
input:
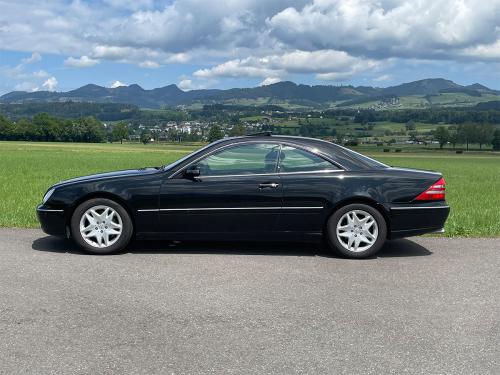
{"x": 343, "y": 156}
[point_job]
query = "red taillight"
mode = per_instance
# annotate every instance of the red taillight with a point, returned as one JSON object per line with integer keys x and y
{"x": 435, "y": 192}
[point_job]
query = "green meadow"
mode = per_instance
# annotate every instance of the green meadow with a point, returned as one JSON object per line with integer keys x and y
{"x": 28, "y": 169}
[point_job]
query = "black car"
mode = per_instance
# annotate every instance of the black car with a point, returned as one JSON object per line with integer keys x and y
{"x": 258, "y": 187}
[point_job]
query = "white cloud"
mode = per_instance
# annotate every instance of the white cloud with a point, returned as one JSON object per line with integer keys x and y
{"x": 116, "y": 84}
{"x": 50, "y": 84}
{"x": 387, "y": 28}
{"x": 35, "y": 57}
{"x": 82, "y": 62}
{"x": 334, "y": 39}
{"x": 26, "y": 86}
{"x": 270, "y": 81}
{"x": 326, "y": 64}
{"x": 186, "y": 84}
{"x": 149, "y": 64}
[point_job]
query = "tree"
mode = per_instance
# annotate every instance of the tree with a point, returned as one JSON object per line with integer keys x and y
{"x": 215, "y": 133}
{"x": 145, "y": 136}
{"x": 466, "y": 133}
{"x": 237, "y": 130}
{"x": 495, "y": 142}
{"x": 441, "y": 135}
{"x": 484, "y": 134}
{"x": 6, "y": 128}
{"x": 453, "y": 135}
{"x": 120, "y": 131}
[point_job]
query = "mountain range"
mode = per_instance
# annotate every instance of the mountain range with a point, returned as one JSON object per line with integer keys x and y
{"x": 281, "y": 92}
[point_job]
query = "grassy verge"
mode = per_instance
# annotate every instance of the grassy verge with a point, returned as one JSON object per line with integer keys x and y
{"x": 28, "y": 169}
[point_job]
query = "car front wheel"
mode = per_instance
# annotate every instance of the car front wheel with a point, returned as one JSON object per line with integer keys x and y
{"x": 356, "y": 230}
{"x": 101, "y": 226}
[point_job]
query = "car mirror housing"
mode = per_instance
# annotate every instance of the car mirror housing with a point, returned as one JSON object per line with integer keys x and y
{"x": 192, "y": 172}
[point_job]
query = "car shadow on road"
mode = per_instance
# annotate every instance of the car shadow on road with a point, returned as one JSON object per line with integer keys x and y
{"x": 396, "y": 248}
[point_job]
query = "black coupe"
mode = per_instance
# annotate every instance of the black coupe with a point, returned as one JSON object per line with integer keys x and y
{"x": 259, "y": 187}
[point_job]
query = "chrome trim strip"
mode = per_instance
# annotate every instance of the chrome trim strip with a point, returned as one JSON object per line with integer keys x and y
{"x": 48, "y": 210}
{"x": 229, "y": 209}
{"x": 273, "y": 174}
{"x": 418, "y": 208}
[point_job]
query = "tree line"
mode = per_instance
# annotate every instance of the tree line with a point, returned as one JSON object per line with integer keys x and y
{"x": 46, "y": 128}
{"x": 482, "y": 134}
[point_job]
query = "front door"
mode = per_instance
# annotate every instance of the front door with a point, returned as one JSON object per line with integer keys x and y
{"x": 236, "y": 192}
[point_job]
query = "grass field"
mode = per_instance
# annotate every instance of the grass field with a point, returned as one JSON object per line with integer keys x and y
{"x": 28, "y": 169}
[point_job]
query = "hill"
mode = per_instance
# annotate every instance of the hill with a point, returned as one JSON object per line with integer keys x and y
{"x": 432, "y": 92}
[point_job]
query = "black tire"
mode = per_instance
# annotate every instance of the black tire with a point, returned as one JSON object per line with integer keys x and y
{"x": 331, "y": 231}
{"x": 122, "y": 241}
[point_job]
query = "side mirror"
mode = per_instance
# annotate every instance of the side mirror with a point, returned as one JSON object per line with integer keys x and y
{"x": 192, "y": 172}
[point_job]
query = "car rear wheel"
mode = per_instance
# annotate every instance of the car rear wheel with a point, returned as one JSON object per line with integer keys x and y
{"x": 101, "y": 226}
{"x": 356, "y": 230}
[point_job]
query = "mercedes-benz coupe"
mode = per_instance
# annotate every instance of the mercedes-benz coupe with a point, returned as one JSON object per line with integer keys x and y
{"x": 260, "y": 187}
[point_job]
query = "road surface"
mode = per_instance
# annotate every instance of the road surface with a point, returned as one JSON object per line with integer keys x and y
{"x": 423, "y": 306}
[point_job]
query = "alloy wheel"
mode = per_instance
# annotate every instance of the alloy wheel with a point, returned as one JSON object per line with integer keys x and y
{"x": 101, "y": 226}
{"x": 357, "y": 230}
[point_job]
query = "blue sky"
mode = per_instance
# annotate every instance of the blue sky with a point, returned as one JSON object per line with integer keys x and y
{"x": 61, "y": 45}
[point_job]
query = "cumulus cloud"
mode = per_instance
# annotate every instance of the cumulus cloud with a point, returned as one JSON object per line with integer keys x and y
{"x": 270, "y": 81}
{"x": 186, "y": 84}
{"x": 50, "y": 84}
{"x": 326, "y": 64}
{"x": 333, "y": 39}
{"x": 149, "y": 64}
{"x": 35, "y": 57}
{"x": 116, "y": 84}
{"x": 385, "y": 28}
{"x": 82, "y": 62}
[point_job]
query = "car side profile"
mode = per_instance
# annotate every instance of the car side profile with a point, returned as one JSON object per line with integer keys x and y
{"x": 260, "y": 187}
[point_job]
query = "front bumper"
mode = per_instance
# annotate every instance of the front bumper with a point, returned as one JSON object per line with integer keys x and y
{"x": 52, "y": 221}
{"x": 414, "y": 219}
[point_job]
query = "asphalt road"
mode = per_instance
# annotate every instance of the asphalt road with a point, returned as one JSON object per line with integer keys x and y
{"x": 423, "y": 306}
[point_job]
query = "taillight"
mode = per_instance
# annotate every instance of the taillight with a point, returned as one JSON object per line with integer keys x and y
{"x": 435, "y": 192}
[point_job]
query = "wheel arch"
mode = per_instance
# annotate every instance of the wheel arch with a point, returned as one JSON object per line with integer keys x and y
{"x": 100, "y": 194}
{"x": 362, "y": 200}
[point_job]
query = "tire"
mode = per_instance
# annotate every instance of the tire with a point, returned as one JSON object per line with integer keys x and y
{"x": 101, "y": 226}
{"x": 350, "y": 225}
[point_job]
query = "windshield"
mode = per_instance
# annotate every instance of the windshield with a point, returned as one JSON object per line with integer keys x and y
{"x": 177, "y": 162}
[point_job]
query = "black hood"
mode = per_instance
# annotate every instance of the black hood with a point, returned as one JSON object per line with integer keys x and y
{"x": 108, "y": 176}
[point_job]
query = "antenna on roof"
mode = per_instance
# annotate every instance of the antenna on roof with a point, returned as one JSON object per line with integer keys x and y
{"x": 261, "y": 134}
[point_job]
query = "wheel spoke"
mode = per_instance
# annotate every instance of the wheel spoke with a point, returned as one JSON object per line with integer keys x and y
{"x": 368, "y": 225}
{"x": 88, "y": 235}
{"x": 365, "y": 239}
{"x": 90, "y": 218}
{"x": 105, "y": 237}
{"x": 115, "y": 225}
{"x": 350, "y": 241}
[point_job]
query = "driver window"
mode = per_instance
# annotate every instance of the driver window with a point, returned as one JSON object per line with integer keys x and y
{"x": 252, "y": 158}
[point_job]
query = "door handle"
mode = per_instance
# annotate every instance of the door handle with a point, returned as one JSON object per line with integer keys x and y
{"x": 272, "y": 185}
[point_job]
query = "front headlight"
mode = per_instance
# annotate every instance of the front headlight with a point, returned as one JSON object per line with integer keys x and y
{"x": 47, "y": 195}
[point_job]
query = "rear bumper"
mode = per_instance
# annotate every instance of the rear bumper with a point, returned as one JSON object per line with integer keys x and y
{"x": 52, "y": 221}
{"x": 407, "y": 220}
